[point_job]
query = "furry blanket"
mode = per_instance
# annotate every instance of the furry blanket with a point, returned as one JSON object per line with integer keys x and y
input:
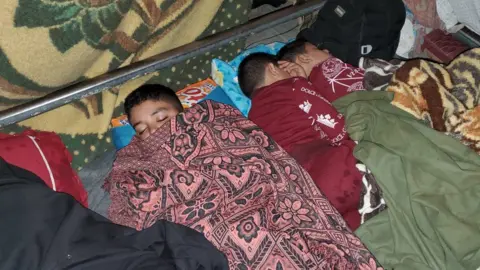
{"x": 46, "y": 45}
{"x": 378, "y": 72}
{"x": 371, "y": 196}
{"x": 445, "y": 97}
{"x": 217, "y": 172}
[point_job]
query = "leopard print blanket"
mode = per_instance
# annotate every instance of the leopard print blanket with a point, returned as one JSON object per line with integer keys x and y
{"x": 444, "y": 96}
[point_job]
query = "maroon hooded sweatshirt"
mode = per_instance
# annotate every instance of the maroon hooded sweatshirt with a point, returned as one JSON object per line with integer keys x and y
{"x": 309, "y": 128}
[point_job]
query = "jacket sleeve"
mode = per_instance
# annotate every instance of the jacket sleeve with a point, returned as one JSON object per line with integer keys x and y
{"x": 320, "y": 113}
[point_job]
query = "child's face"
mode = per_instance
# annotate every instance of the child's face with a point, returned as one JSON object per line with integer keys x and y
{"x": 311, "y": 58}
{"x": 318, "y": 56}
{"x": 150, "y": 115}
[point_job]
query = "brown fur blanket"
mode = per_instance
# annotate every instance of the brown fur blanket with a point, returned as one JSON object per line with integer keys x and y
{"x": 445, "y": 97}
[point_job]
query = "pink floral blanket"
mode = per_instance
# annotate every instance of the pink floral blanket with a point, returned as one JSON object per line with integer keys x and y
{"x": 217, "y": 172}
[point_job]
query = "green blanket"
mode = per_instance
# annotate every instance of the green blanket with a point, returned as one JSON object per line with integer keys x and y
{"x": 431, "y": 184}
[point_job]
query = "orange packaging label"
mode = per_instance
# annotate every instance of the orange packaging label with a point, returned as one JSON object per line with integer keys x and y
{"x": 192, "y": 94}
{"x": 122, "y": 120}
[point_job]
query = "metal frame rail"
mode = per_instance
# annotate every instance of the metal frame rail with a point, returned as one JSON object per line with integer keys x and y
{"x": 119, "y": 76}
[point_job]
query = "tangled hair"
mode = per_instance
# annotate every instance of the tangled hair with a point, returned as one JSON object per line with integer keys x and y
{"x": 291, "y": 50}
{"x": 153, "y": 92}
{"x": 251, "y": 72}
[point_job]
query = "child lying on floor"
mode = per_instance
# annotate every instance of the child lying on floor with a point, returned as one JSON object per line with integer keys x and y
{"x": 269, "y": 84}
{"x": 291, "y": 110}
{"x": 151, "y": 106}
{"x": 332, "y": 77}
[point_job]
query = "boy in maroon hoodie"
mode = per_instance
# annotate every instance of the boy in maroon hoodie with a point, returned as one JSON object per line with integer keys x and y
{"x": 332, "y": 77}
{"x": 291, "y": 110}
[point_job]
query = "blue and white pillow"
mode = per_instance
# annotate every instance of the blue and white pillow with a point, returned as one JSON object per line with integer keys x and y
{"x": 225, "y": 74}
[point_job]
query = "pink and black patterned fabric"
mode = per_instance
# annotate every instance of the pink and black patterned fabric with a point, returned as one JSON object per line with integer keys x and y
{"x": 217, "y": 172}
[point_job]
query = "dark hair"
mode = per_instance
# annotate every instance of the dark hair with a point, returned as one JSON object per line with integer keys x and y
{"x": 151, "y": 92}
{"x": 251, "y": 71}
{"x": 292, "y": 50}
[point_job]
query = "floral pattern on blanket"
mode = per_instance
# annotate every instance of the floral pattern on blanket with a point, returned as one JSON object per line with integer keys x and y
{"x": 217, "y": 172}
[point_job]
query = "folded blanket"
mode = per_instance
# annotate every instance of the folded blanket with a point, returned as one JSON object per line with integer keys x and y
{"x": 430, "y": 181}
{"x": 213, "y": 170}
{"x": 445, "y": 97}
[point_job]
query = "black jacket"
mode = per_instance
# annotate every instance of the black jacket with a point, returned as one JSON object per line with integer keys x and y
{"x": 43, "y": 229}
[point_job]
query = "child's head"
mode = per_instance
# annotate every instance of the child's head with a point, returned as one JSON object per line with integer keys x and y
{"x": 258, "y": 70}
{"x": 149, "y": 107}
{"x": 304, "y": 54}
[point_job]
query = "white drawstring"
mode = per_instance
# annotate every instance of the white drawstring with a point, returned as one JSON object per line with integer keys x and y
{"x": 54, "y": 186}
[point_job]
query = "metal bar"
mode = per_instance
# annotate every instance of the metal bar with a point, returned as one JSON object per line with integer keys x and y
{"x": 116, "y": 77}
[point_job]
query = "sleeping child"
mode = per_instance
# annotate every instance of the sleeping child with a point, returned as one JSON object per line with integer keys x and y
{"x": 291, "y": 110}
{"x": 151, "y": 106}
{"x": 332, "y": 77}
{"x": 270, "y": 85}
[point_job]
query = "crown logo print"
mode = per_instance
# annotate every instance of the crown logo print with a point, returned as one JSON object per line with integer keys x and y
{"x": 326, "y": 120}
{"x": 306, "y": 106}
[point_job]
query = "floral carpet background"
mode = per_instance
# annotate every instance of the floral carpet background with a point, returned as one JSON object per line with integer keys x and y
{"x": 48, "y": 44}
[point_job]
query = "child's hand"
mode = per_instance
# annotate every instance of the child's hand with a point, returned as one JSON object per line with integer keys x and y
{"x": 293, "y": 69}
